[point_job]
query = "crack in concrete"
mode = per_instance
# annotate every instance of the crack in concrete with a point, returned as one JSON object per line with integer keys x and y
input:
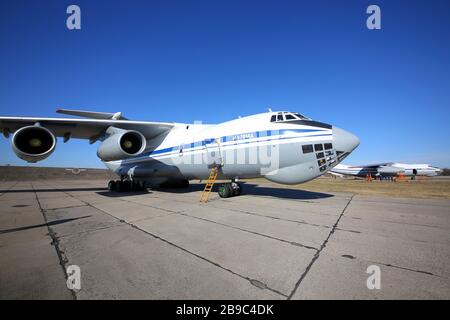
{"x": 408, "y": 269}
{"x": 55, "y": 242}
{"x": 7, "y": 190}
{"x": 414, "y": 224}
{"x": 244, "y": 195}
{"x": 347, "y": 230}
{"x": 252, "y": 232}
{"x": 70, "y": 207}
{"x": 253, "y": 282}
{"x": 366, "y": 199}
{"x": 393, "y": 266}
{"x": 316, "y": 256}
{"x": 87, "y": 231}
{"x": 276, "y": 218}
{"x": 150, "y": 206}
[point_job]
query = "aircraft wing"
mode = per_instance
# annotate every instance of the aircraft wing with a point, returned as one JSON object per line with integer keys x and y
{"x": 376, "y": 165}
{"x": 84, "y": 128}
{"x": 335, "y": 174}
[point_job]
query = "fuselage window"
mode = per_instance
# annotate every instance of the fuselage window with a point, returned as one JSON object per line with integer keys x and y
{"x": 321, "y": 162}
{"x": 307, "y": 148}
{"x": 290, "y": 117}
{"x": 273, "y": 118}
{"x": 280, "y": 117}
{"x": 318, "y": 147}
{"x": 320, "y": 155}
{"x": 328, "y": 146}
{"x": 300, "y": 116}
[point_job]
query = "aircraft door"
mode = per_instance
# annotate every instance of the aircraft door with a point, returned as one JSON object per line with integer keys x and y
{"x": 213, "y": 153}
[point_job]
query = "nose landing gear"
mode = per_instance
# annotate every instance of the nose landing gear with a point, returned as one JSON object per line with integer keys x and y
{"x": 232, "y": 189}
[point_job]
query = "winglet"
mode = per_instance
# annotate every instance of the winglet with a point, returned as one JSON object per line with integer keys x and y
{"x": 93, "y": 114}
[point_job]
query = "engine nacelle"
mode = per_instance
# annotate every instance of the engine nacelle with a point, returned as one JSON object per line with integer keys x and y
{"x": 121, "y": 144}
{"x": 33, "y": 143}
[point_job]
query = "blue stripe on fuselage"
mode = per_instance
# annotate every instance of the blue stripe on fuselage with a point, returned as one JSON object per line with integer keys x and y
{"x": 251, "y": 135}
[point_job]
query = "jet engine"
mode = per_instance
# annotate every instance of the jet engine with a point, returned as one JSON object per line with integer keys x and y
{"x": 33, "y": 143}
{"x": 121, "y": 144}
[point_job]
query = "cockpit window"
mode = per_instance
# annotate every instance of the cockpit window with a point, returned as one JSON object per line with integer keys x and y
{"x": 290, "y": 117}
{"x": 301, "y": 116}
{"x": 287, "y": 116}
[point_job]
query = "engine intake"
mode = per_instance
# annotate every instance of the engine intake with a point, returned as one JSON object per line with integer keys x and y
{"x": 121, "y": 144}
{"x": 33, "y": 143}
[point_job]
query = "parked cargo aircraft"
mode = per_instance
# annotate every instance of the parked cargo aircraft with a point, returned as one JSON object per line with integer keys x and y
{"x": 387, "y": 169}
{"x": 284, "y": 147}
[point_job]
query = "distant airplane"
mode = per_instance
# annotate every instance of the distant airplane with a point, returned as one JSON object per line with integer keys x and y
{"x": 284, "y": 147}
{"x": 387, "y": 169}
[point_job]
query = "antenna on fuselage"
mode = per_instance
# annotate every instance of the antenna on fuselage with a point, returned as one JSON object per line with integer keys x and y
{"x": 269, "y": 108}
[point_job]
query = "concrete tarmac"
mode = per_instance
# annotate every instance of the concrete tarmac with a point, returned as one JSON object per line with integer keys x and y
{"x": 269, "y": 243}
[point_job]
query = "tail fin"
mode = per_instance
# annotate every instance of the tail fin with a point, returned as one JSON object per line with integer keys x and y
{"x": 93, "y": 114}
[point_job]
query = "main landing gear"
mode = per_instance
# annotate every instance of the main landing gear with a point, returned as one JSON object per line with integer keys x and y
{"x": 125, "y": 185}
{"x": 232, "y": 189}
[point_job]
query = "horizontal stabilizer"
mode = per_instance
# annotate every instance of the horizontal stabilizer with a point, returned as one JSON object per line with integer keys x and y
{"x": 93, "y": 114}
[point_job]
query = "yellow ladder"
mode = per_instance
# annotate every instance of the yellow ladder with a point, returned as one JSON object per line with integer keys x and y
{"x": 209, "y": 184}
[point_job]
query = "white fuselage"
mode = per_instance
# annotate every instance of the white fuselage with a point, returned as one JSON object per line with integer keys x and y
{"x": 242, "y": 148}
{"x": 388, "y": 169}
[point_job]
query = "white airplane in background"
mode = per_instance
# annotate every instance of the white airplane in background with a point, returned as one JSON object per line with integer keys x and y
{"x": 387, "y": 169}
{"x": 284, "y": 147}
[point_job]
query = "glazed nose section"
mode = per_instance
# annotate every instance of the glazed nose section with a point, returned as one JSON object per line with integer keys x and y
{"x": 344, "y": 140}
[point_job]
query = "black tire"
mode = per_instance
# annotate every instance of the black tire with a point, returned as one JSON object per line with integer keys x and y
{"x": 137, "y": 186}
{"x": 118, "y": 186}
{"x": 111, "y": 185}
{"x": 224, "y": 191}
{"x": 126, "y": 186}
{"x": 238, "y": 190}
{"x": 230, "y": 189}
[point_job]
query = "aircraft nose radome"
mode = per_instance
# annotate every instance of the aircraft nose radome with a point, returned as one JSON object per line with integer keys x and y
{"x": 344, "y": 140}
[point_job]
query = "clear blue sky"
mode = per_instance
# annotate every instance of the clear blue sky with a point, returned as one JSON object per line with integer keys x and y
{"x": 214, "y": 60}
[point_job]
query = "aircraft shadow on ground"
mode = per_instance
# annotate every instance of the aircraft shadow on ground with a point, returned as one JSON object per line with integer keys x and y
{"x": 52, "y": 190}
{"x": 284, "y": 193}
{"x": 112, "y": 194}
{"x": 51, "y": 223}
{"x": 248, "y": 189}
{"x": 257, "y": 190}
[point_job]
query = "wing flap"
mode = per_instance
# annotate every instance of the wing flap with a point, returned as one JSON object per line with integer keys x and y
{"x": 92, "y": 114}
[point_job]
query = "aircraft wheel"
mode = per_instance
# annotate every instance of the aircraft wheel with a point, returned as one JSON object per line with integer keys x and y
{"x": 111, "y": 185}
{"x": 118, "y": 186}
{"x": 126, "y": 186}
{"x": 237, "y": 190}
{"x": 137, "y": 186}
{"x": 230, "y": 189}
{"x": 134, "y": 186}
{"x": 123, "y": 186}
{"x": 225, "y": 190}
